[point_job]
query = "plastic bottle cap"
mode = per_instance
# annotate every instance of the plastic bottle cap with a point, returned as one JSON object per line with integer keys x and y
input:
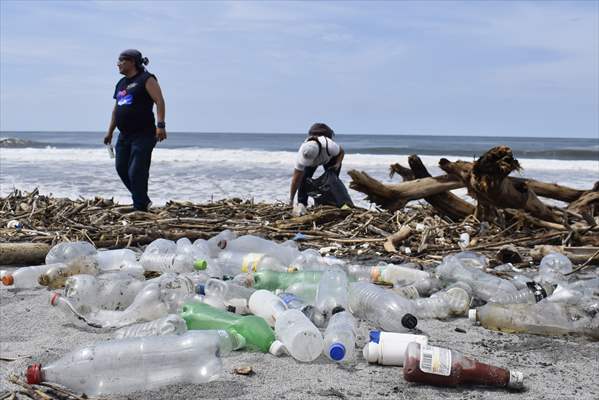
{"x": 200, "y": 265}
{"x": 277, "y": 348}
{"x": 472, "y": 314}
{"x": 34, "y": 374}
{"x": 516, "y": 380}
{"x": 337, "y": 351}
{"x": 8, "y": 280}
{"x": 54, "y": 298}
{"x": 409, "y": 321}
{"x": 371, "y": 352}
{"x": 375, "y": 336}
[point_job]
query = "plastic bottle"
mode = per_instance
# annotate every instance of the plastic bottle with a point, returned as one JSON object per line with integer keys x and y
{"x": 273, "y": 280}
{"x": 255, "y": 332}
{"x": 298, "y": 336}
{"x": 56, "y": 276}
{"x": 172, "y": 324}
{"x": 170, "y": 262}
{"x": 576, "y": 293}
{"x": 233, "y": 263}
{"x": 232, "y": 295}
{"x": 545, "y": 318}
{"x": 385, "y": 309}
{"x": 340, "y": 337}
{"x": 254, "y": 244}
{"x": 110, "y": 260}
{"x": 218, "y": 242}
{"x": 444, "y": 367}
{"x": 484, "y": 285}
{"x": 146, "y": 363}
{"x": 332, "y": 295}
{"x": 452, "y": 302}
{"x": 294, "y": 302}
{"x": 267, "y": 305}
{"x": 87, "y": 292}
{"x": 421, "y": 287}
{"x": 67, "y": 251}
{"x": 552, "y": 269}
{"x": 389, "y": 348}
{"x": 533, "y": 293}
{"x": 359, "y": 272}
{"x": 304, "y": 290}
{"x": 27, "y": 277}
{"x": 391, "y": 273}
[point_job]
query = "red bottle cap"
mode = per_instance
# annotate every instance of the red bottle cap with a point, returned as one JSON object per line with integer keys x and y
{"x": 54, "y": 298}
{"x": 34, "y": 374}
{"x": 8, "y": 280}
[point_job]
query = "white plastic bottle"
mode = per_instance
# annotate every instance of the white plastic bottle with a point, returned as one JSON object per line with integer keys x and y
{"x": 267, "y": 305}
{"x": 172, "y": 324}
{"x": 533, "y": 293}
{"x": 218, "y": 242}
{"x": 389, "y": 348}
{"x": 332, "y": 294}
{"x": 146, "y": 363}
{"x": 340, "y": 338}
{"x": 67, "y": 251}
{"x": 254, "y": 244}
{"x": 27, "y": 277}
{"x": 298, "y": 335}
{"x": 385, "y": 309}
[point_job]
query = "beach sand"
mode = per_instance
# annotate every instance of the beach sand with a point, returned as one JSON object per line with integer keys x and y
{"x": 554, "y": 368}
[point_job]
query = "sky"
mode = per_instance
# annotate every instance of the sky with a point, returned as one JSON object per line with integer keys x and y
{"x": 506, "y": 68}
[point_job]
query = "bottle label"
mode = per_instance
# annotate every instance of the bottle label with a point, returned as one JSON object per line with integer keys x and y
{"x": 250, "y": 262}
{"x": 435, "y": 360}
{"x": 288, "y": 297}
{"x": 537, "y": 290}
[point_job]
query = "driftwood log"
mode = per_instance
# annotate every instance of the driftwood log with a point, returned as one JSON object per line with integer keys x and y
{"x": 23, "y": 253}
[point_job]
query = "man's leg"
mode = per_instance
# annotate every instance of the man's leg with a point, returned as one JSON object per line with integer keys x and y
{"x": 122, "y": 158}
{"x": 139, "y": 169}
{"x": 302, "y": 195}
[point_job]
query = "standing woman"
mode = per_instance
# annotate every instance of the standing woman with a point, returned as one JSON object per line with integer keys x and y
{"x": 135, "y": 95}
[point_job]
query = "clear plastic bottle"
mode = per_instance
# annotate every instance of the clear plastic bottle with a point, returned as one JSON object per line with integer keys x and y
{"x": 422, "y": 287}
{"x": 340, "y": 338}
{"x": 392, "y": 274}
{"x": 533, "y": 293}
{"x": 294, "y": 302}
{"x": 553, "y": 268}
{"x": 544, "y": 318}
{"x": 56, "y": 276}
{"x": 218, "y": 242}
{"x": 444, "y": 367}
{"x": 576, "y": 293}
{"x": 254, "y": 244}
{"x": 332, "y": 294}
{"x": 27, "y": 277}
{"x": 359, "y": 272}
{"x": 452, "y": 302}
{"x": 234, "y": 296}
{"x": 170, "y": 262}
{"x": 389, "y": 348}
{"x": 87, "y": 292}
{"x": 172, "y": 324}
{"x": 273, "y": 280}
{"x": 298, "y": 335}
{"x": 67, "y": 251}
{"x": 385, "y": 309}
{"x": 110, "y": 260}
{"x": 304, "y": 290}
{"x": 484, "y": 285}
{"x": 146, "y": 363}
{"x": 267, "y": 305}
{"x": 233, "y": 263}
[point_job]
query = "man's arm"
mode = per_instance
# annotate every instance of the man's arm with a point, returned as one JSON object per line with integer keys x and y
{"x": 111, "y": 127}
{"x": 295, "y": 182}
{"x": 155, "y": 93}
{"x": 339, "y": 159}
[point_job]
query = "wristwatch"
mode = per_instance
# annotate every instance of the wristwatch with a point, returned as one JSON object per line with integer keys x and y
{"x": 161, "y": 125}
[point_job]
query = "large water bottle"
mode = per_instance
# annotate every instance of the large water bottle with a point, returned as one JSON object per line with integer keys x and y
{"x": 56, "y": 276}
{"x": 146, "y": 363}
{"x": 27, "y": 277}
{"x": 172, "y": 324}
{"x": 267, "y": 305}
{"x": 298, "y": 335}
{"x": 533, "y": 293}
{"x": 340, "y": 338}
{"x": 332, "y": 294}
{"x": 87, "y": 292}
{"x": 385, "y": 309}
{"x": 67, "y": 251}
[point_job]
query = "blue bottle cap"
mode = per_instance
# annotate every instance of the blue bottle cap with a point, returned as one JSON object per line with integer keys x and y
{"x": 375, "y": 336}
{"x": 200, "y": 289}
{"x": 337, "y": 351}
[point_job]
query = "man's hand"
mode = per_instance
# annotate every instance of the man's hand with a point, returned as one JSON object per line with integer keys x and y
{"x": 160, "y": 134}
{"x": 108, "y": 138}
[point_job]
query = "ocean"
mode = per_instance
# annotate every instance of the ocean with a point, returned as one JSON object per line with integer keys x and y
{"x": 200, "y": 167}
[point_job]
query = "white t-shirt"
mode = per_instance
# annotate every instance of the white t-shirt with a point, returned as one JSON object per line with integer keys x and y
{"x": 321, "y": 158}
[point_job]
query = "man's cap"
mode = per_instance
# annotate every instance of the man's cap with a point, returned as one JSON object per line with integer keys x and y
{"x": 321, "y": 129}
{"x": 308, "y": 152}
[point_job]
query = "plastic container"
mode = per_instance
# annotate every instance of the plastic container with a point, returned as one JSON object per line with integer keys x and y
{"x": 294, "y": 302}
{"x": 172, "y": 324}
{"x": 533, "y": 293}
{"x": 340, "y": 338}
{"x": 27, "y": 277}
{"x": 267, "y": 305}
{"x": 273, "y": 280}
{"x": 576, "y": 293}
{"x": 452, "y": 302}
{"x": 298, "y": 336}
{"x": 444, "y": 367}
{"x": 218, "y": 242}
{"x": 254, "y": 244}
{"x": 67, "y": 251}
{"x": 385, "y": 309}
{"x": 110, "y": 260}
{"x": 233, "y": 263}
{"x": 389, "y": 348}
{"x": 392, "y": 274}
{"x": 552, "y": 269}
{"x": 234, "y": 296}
{"x": 146, "y": 363}
{"x": 170, "y": 262}
{"x": 421, "y": 287}
{"x": 56, "y": 276}
{"x": 87, "y": 292}
{"x": 304, "y": 290}
{"x": 254, "y": 330}
{"x": 332, "y": 295}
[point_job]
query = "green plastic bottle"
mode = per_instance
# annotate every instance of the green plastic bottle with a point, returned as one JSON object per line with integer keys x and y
{"x": 273, "y": 280}
{"x": 255, "y": 330}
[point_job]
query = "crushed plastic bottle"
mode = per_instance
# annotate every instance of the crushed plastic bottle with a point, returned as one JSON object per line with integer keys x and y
{"x": 172, "y": 324}
{"x": 27, "y": 277}
{"x": 533, "y": 293}
{"x": 147, "y": 363}
{"x": 67, "y": 251}
{"x": 252, "y": 332}
{"x": 340, "y": 338}
{"x": 452, "y": 302}
{"x": 267, "y": 305}
{"x": 385, "y": 309}
{"x": 294, "y": 302}
{"x": 389, "y": 348}
{"x": 444, "y": 367}
{"x": 332, "y": 295}
{"x": 297, "y": 335}
{"x": 544, "y": 318}
{"x": 56, "y": 276}
{"x": 88, "y": 292}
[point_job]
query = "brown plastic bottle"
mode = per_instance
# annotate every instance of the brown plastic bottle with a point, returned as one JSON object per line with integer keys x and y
{"x": 444, "y": 367}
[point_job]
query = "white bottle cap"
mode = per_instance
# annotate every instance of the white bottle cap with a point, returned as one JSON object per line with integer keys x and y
{"x": 472, "y": 314}
{"x": 516, "y": 380}
{"x": 277, "y": 348}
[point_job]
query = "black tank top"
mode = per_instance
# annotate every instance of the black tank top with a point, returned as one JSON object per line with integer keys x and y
{"x": 134, "y": 114}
